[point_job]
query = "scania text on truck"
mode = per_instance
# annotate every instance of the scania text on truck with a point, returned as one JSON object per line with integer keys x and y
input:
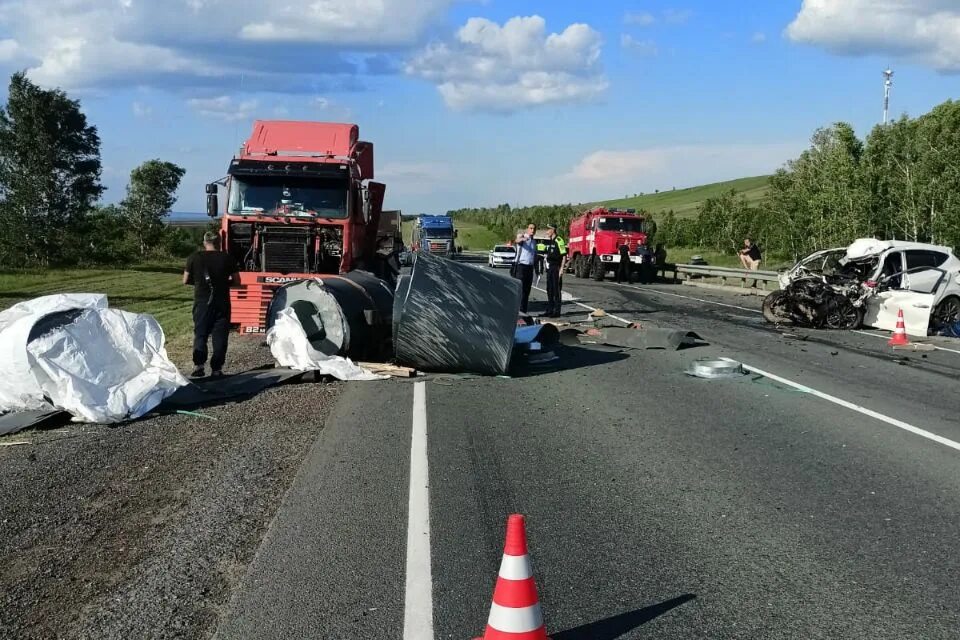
{"x": 596, "y": 237}
{"x": 435, "y": 234}
{"x": 300, "y": 204}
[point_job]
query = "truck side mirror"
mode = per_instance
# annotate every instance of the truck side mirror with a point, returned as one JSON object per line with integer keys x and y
{"x": 213, "y": 205}
{"x": 365, "y": 195}
{"x": 456, "y": 233}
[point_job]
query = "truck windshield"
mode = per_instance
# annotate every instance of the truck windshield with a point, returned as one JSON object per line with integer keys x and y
{"x": 438, "y": 233}
{"x": 625, "y": 225}
{"x": 270, "y": 195}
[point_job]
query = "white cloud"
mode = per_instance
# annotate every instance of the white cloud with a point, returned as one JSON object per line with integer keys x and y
{"x": 9, "y": 49}
{"x": 517, "y": 65}
{"x": 606, "y": 173}
{"x": 96, "y": 43}
{"x": 641, "y": 47}
{"x": 414, "y": 178}
{"x": 641, "y": 19}
{"x": 141, "y": 110}
{"x": 224, "y": 108}
{"x": 758, "y": 38}
{"x": 926, "y": 31}
{"x": 677, "y": 16}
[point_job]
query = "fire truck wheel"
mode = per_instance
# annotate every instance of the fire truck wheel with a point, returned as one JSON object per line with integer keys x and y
{"x": 597, "y": 270}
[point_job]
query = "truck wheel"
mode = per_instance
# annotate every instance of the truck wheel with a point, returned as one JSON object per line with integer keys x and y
{"x": 597, "y": 269}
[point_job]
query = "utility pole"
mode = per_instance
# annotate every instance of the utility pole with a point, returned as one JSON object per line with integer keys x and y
{"x": 887, "y": 85}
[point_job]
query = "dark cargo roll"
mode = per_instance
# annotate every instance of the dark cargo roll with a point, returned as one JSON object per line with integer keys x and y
{"x": 348, "y": 315}
{"x": 453, "y": 317}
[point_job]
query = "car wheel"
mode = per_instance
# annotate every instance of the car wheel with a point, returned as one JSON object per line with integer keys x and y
{"x": 843, "y": 315}
{"x": 772, "y": 306}
{"x": 947, "y": 312}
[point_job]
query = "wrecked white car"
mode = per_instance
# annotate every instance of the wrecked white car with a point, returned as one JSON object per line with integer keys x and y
{"x": 922, "y": 280}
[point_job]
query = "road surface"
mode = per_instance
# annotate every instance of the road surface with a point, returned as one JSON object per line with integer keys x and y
{"x": 822, "y": 503}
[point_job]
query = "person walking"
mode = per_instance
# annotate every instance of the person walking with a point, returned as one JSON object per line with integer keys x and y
{"x": 555, "y": 256}
{"x": 211, "y": 272}
{"x": 523, "y": 263}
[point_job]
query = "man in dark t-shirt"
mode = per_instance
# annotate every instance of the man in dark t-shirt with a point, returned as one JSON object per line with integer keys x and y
{"x": 750, "y": 256}
{"x": 211, "y": 272}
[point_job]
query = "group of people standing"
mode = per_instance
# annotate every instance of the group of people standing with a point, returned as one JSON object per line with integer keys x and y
{"x": 554, "y": 251}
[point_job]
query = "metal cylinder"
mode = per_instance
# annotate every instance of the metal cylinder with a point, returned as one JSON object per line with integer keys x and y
{"x": 453, "y": 317}
{"x": 348, "y": 315}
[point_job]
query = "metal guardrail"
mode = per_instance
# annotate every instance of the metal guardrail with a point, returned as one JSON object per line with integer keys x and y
{"x": 692, "y": 271}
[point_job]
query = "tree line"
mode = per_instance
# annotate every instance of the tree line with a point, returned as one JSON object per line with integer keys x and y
{"x": 50, "y": 189}
{"x": 902, "y": 182}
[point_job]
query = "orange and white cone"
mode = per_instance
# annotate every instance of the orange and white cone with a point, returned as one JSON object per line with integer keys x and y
{"x": 515, "y": 613}
{"x": 899, "y": 337}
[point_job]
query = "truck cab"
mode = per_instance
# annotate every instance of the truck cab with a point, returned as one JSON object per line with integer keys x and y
{"x": 299, "y": 204}
{"x": 436, "y": 235}
{"x": 596, "y": 238}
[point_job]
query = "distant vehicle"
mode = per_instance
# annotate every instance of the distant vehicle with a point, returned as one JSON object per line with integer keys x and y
{"x": 922, "y": 280}
{"x": 501, "y": 255}
{"x": 435, "y": 234}
{"x": 596, "y": 237}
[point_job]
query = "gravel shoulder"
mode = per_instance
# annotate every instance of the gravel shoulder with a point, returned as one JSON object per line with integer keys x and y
{"x": 143, "y": 529}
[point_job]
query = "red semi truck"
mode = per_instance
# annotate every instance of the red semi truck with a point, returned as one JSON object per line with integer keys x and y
{"x": 299, "y": 205}
{"x": 596, "y": 237}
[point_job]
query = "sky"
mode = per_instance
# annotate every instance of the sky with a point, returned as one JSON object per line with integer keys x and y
{"x": 481, "y": 102}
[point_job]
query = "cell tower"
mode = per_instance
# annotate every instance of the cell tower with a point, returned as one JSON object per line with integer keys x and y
{"x": 887, "y": 85}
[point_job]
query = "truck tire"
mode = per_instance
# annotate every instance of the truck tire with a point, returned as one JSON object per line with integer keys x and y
{"x": 597, "y": 269}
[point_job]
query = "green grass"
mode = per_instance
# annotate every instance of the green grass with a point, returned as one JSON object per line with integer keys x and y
{"x": 685, "y": 202}
{"x": 153, "y": 289}
{"x": 682, "y": 255}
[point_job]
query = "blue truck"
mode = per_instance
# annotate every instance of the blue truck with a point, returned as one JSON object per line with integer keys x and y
{"x": 436, "y": 235}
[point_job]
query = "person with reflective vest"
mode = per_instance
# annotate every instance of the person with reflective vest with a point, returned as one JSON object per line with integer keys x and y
{"x": 555, "y": 256}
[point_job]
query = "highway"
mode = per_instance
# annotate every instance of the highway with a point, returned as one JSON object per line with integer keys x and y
{"x": 819, "y": 500}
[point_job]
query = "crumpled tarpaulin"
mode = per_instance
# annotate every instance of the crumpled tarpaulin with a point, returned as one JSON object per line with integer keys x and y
{"x": 99, "y": 364}
{"x": 292, "y": 348}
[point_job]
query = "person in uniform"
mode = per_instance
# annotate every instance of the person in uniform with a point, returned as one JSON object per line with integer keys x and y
{"x": 555, "y": 257}
{"x": 211, "y": 272}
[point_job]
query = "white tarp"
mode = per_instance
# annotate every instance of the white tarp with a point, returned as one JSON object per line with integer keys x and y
{"x": 104, "y": 365}
{"x": 19, "y": 390}
{"x": 291, "y": 348}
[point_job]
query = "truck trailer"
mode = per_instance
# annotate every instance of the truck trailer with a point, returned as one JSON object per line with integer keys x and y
{"x": 300, "y": 204}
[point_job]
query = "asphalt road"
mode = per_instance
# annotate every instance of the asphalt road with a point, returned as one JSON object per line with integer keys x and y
{"x": 658, "y": 505}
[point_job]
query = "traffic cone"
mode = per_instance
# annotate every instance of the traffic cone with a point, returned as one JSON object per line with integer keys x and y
{"x": 515, "y": 613}
{"x": 899, "y": 337}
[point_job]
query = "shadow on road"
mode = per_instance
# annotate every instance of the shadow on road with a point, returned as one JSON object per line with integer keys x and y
{"x": 567, "y": 358}
{"x": 618, "y": 625}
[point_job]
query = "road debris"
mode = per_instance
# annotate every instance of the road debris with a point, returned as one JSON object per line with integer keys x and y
{"x": 70, "y": 352}
{"x": 453, "y": 317}
{"x": 715, "y": 369}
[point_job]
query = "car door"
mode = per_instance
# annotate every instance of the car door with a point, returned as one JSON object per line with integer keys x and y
{"x": 915, "y": 294}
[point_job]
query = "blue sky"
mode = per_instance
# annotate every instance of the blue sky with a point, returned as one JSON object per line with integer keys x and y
{"x": 473, "y": 102}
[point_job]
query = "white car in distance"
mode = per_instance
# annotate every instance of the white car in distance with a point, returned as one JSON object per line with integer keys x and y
{"x": 922, "y": 280}
{"x": 501, "y": 255}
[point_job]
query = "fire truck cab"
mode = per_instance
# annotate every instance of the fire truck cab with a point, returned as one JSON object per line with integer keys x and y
{"x": 596, "y": 237}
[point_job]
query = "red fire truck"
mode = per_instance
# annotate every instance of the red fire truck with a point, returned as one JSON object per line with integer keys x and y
{"x": 596, "y": 237}
{"x": 299, "y": 205}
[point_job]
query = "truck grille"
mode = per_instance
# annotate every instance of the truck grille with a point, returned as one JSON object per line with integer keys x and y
{"x": 437, "y": 247}
{"x": 286, "y": 251}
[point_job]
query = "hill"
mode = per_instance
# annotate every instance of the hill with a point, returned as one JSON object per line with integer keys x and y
{"x": 684, "y": 202}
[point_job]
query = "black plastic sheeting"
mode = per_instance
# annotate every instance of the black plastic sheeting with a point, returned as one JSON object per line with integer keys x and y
{"x": 348, "y": 315}
{"x": 453, "y": 317}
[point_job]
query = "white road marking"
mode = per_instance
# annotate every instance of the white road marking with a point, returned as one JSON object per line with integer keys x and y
{"x": 855, "y": 407}
{"x": 887, "y": 337}
{"x": 418, "y": 604}
{"x": 586, "y": 306}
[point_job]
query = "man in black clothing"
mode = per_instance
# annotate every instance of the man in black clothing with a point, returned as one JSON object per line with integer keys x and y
{"x": 211, "y": 272}
{"x": 624, "y": 267}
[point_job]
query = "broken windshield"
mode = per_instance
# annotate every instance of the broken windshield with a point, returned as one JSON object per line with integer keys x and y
{"x": 623, "y": 225}
{"x": 270, "y": 195}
